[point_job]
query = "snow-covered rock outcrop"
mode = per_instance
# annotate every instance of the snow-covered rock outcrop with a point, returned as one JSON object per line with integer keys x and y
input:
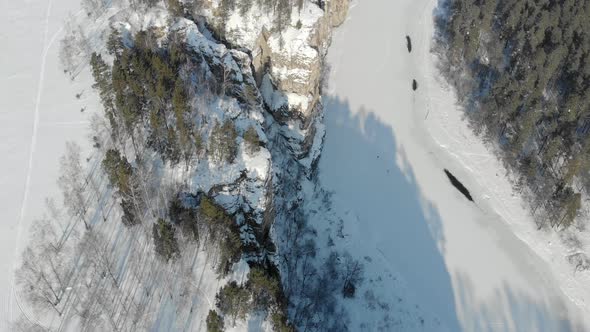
{"x": 287, "y": 47}
{"x": 287, "y": 58}
{"x": 241, "y": 187}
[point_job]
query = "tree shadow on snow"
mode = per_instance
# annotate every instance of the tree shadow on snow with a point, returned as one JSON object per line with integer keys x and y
{"x": 362, "y": 164}
{"x": 510, "y": 310}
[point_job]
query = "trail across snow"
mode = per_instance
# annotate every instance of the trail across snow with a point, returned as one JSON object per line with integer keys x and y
{"x": 39, "y": 112}
{"x": 29, "y": 168}
{"x": 385, "y": 151}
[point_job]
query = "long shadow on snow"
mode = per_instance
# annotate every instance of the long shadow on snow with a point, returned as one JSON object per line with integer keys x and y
{"x": 508, "y": 309}
{"x": 359, "y": 164}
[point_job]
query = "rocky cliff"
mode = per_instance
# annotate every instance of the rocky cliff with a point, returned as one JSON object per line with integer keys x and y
{"x": 287, "y": 56}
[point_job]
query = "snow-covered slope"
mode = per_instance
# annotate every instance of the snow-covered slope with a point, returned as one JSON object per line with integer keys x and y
{"x": 437, "y": 257}
{"x": 39, "y": 112}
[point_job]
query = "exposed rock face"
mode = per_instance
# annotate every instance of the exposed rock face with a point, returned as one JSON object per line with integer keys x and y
{"x": 338, "y": 10}
{"x": 261, "y": 55}
{"x": 239, "y": 186}
{"x": 287, "y": 64}
{"x": 287, "y": 69}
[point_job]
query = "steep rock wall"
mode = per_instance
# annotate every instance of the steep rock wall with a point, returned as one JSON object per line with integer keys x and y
{"x": 287, "y": 60}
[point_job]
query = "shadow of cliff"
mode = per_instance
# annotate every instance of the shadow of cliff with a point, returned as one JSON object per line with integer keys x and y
{"x": 363, "y": 166}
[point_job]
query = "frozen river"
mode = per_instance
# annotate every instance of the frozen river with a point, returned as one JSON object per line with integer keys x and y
{"x": 459, "y": 260}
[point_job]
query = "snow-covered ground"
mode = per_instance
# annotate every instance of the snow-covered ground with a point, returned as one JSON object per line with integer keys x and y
{"x": 39, "y": 112}
{"x": 385, "y": 151}
{"x": 475, "y": 266}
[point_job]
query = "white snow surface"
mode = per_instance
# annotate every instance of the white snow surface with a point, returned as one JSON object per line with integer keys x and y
{"x": 430, "y": 255}
{"x": 39, "y": 112}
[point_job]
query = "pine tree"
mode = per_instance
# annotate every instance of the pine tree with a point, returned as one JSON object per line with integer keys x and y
{"x": 103, "y": 83}
{"x": 570, "y": 206}
{"x": 175, "y": 7}
{"x": 230, "y": 249}
{"x": 115, "y": 42}
{"x": 181, "y": 111}
{"x": 264, "y": 287}
{"x": 233, "y": 300}
{"x": 279, "y": 322}
{"x": 119, "y": 171}
{"x": 214, "y": 322}
{"x": 252, "y": 140}
{"x": 184, "y": 217}
{"x": 214, "y": 217}
{"x": 129, "y": 217}
{"x": 102, "y": 80}
{"x": 223, "y": 143}
{"x": 165, "y": 243}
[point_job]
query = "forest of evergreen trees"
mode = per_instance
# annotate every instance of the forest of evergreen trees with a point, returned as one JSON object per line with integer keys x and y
{"x": 527, "y": 91}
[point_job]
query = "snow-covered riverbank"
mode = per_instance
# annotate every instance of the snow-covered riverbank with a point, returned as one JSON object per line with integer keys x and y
{"x": 39, "y": 112}
{"x": 384, "y": 155}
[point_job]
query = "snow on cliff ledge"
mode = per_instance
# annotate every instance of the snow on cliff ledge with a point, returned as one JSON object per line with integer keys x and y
{"x": 287, "y": 62}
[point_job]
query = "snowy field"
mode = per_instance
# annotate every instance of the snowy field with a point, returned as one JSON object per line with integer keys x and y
{"x": 39, "y": 112}
{"x": 474, "y": 266}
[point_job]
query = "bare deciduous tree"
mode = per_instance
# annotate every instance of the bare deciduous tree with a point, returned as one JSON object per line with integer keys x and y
{"x": 23, "y": 324}
{"x": 96, "y": 249}
{"x": 352, "y": 275}
{"x": 75, "y": 48}
{"x": 73, "y": 184}
{"x": 94, "y": 8}
{"x": 40, "y": 278}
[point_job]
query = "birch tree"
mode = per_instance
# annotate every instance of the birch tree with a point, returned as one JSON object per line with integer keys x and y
{"x": 97, "y": 252}
{"x": 40, "y": 278}
{"x": 73, "y": 184}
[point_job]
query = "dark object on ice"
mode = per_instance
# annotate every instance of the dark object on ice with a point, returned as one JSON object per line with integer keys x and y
{"x": 414, "y": 85}
{"x": 348, "y": 290}
{"x": 409, "y": 44}
{"x": 458, "y": 185}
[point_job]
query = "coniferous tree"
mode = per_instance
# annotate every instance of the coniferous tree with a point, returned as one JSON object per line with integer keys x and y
{"x": 214, "y": 322}
{"x": 233, "y": 300}
{"x": 175, "y": 7}
{"x": 265, "y": 288}
{"x": 252, "y": 140}
{"x": 119, "y": 171}
{"x": 185, "y": 218}
{"x": 129, "y": 217}
{"x": 223, "y": 143}
{"x": 165, "y": 242}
